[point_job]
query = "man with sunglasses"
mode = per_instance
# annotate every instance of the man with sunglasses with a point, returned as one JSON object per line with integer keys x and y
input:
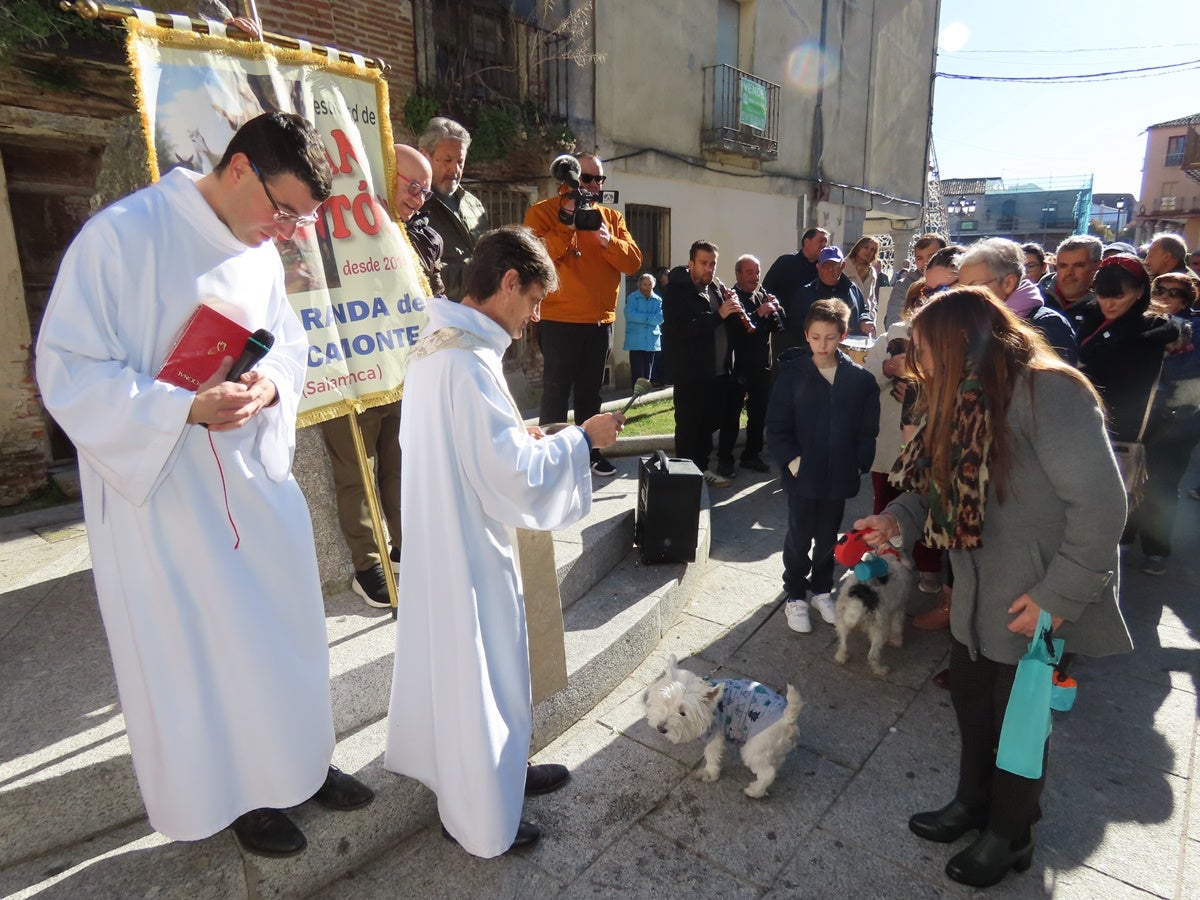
{"x": 577, "y": 319}
{"x": 454, "y": 212}
{"x": 380, "y": 425}
{"x": 201, "y": 542}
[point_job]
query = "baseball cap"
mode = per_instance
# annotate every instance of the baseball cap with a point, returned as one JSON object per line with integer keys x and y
{"x": 830, "y": 254}
{"x": 1121, "y": 247}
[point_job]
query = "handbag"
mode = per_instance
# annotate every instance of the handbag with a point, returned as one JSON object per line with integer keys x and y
{"x": 1131, "y": 455}
{"x": 1027, "y": 718}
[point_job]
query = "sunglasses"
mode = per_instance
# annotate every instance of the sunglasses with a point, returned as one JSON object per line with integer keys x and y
{"x": 587, "y": 178}
{"x": 1173, "y": 292}
{"x": 416, "y": 189}
{"x": 282, "y": 216}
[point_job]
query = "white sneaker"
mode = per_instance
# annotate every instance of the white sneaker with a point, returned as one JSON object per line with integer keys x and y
{"x": 797, "y": 616}
{"x": 715, "y": 479}
{"x": 823, "y": 603}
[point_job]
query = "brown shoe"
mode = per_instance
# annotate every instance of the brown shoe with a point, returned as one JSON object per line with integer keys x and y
{"x": 938, "y": 617}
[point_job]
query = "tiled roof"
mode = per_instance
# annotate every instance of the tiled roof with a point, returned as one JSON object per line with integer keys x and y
{"x": 1175, "y": 123}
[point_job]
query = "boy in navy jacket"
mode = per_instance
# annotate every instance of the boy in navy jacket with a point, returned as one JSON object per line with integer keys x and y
{"x": 821, "y": 426}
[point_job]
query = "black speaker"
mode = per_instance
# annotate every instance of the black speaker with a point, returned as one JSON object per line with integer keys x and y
{"x": 668, "y": 509}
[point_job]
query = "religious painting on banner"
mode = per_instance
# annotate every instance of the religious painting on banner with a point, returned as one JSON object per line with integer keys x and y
{"x": 353, "y": 277}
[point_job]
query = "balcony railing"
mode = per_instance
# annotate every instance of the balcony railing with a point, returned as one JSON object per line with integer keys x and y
{"x": 1174, "y": 159}
{"x": 741, "y": 113}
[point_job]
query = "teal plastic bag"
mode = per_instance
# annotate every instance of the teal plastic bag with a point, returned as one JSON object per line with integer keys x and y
{"x": 1027, "y": 718}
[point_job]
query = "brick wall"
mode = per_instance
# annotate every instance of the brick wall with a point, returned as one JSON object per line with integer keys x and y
{"x": 371, "y": 27}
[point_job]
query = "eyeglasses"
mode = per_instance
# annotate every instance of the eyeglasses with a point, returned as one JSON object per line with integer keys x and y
{"x": 416, "y": 189}
{"x": 588, "y": 178}
{"x": 282, "y": 216}
{"x": 1173, "y": 292}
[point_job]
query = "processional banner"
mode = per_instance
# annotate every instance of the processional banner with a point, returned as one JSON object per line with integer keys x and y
{"x": 353, "y": 277}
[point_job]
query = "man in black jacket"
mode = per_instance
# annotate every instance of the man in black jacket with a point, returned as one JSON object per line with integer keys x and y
{"x": 789, "y": 274}
{"x": 696, "y": 342}
{"x": 751, "y": 380}
{"x": 831, "y": 282}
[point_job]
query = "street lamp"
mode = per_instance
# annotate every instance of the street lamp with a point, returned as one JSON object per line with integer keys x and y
{"x": 963, "y": 206}
{"x": 1120, "y": 207}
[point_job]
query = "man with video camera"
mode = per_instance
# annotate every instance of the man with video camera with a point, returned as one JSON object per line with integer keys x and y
{"x": 591, "y": 249}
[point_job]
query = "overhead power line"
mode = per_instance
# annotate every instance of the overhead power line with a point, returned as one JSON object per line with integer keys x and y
{"x": 1114, "y": 75}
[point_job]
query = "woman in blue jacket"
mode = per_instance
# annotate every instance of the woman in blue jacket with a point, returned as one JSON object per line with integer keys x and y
{"x": 643, "y": 328}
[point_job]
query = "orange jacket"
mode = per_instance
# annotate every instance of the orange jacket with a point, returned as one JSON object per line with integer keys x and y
{"x": 589, "y": 276}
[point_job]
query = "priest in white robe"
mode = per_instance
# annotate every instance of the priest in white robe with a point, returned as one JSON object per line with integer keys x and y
{"x": 460, "y": 718}
{"x": 200, "y": 538}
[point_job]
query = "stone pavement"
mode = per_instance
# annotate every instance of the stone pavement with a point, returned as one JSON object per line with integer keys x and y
{"x": 1122, "y": 810}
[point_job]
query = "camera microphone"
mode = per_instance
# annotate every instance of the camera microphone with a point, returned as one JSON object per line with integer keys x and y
{"x": 565, "y": 169}
{"x": 257, "y": 346}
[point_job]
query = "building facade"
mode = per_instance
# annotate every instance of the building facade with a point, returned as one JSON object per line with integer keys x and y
{"x": 1170, "y": 198}
{"x": 743, "y": 122}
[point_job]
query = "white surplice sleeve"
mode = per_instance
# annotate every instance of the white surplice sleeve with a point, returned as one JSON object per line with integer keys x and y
{"x": 124, "y": 422}
{"x": 526, "y": 483}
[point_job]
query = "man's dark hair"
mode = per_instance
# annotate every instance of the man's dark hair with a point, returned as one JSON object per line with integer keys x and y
{"x": 511, "y": 247}
{"x": 1037, "y": 250}
{"x": 812, "y": 233}
{"x": 926, "y": 240}
{"x": 280, "y": 143}
{"x": 697, "y": 246}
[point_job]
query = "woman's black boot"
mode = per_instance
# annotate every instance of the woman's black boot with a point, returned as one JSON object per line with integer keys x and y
{"x": 988, "y": 860}
{"x": 948, "y": 824}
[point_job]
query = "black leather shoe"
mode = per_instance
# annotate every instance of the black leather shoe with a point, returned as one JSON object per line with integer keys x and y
{"x": 527, "y": 833}
{"x": 341, "y": 791}
{"x": 268, "y": 832}
{"x": 988, "y": 860}
{"x": 545, "y": 778}
{"x": 948, "y": 824}
{"x": 756, "y": 464}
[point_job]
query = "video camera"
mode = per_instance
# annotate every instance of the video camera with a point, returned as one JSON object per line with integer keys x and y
{"x": 585, "y": 217}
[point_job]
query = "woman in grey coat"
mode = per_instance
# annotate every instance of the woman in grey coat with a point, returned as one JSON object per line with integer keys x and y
{"x": 1011, "y": 472}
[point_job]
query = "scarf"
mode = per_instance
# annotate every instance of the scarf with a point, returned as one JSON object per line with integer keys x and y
{"x": 954, "y": 517}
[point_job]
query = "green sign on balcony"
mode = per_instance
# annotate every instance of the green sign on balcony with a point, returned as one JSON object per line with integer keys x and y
{"x": 753, "y": 108}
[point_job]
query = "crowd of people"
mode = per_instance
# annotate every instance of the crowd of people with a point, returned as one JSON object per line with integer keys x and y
{"x": 985, "y": 397}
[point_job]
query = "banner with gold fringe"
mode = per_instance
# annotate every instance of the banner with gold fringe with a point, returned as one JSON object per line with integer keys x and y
{"x": 353, "y": 277}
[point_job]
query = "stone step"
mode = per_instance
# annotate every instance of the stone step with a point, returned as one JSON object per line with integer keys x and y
{"x": 71, "y": 813}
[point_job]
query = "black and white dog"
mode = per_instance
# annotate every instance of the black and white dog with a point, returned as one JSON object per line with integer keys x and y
{"x": 871, "y": 596}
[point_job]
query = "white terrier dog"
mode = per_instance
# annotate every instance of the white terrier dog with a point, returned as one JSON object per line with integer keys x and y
{"x": 876, "y": 605}
{"x": 683, "y": 706}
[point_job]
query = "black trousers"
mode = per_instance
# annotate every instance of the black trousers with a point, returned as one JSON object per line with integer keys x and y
{"x": 694, "y": 421}
{"x": 752, "y": 391}
{"x": 1167, "y": 459}
{"x": 979, "y": 691}
{"x": 810, "y": 521}
{"x": 574, "y": 356}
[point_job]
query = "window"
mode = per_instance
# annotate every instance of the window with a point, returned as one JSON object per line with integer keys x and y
{"x": 651, "y": 228}
{"x": 504, "y": 206}
{"x": 1175, "y": 148}
{"x": 1166, "y": 199}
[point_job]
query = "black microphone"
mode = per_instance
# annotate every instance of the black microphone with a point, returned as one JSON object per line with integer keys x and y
{"x": 257, "y": 346}
{"x": 565, "y": 169}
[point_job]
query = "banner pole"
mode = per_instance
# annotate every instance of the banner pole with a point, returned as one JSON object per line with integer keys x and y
{"x": 91, "y": 10}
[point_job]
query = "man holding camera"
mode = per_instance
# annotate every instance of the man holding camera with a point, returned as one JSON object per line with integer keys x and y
{"x": 590, "y": 253}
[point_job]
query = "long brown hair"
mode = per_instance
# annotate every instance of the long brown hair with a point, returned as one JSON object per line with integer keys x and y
{"x": 967, "y": 331}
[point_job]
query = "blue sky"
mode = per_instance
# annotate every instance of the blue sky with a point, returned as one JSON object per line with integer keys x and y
{"x": 1024, "y": 131}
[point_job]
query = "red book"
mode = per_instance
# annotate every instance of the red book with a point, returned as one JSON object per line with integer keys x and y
{"x": 206, "y": 339}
